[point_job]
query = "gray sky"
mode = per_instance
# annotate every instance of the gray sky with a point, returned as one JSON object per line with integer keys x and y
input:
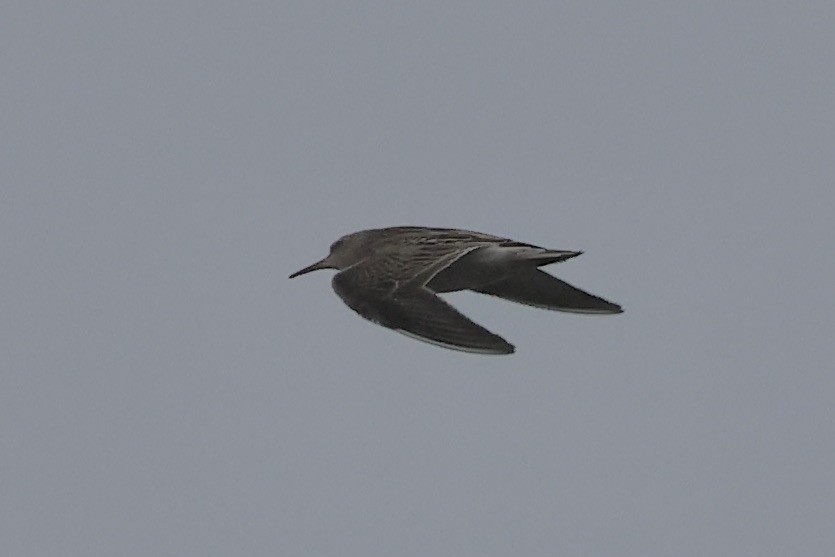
{"x": 165, "y": 390}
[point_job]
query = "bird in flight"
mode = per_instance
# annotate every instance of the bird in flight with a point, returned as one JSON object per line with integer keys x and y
{"x": 392, "y": 276}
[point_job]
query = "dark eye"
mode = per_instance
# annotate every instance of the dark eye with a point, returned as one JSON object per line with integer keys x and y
{"x": 336, "y": 244}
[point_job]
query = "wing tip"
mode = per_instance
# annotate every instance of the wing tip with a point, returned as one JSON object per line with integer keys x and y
{"x": 499, "y": 348}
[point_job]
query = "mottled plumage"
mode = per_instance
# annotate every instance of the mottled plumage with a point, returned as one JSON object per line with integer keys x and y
{"x": 392, "y": 276}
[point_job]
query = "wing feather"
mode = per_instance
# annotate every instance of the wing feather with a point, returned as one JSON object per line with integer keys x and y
{"x": 414, "y": 311}
{"x": 539, "y": 289}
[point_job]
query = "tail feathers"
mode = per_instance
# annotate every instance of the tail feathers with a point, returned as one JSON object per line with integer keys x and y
{"x": 537, "y": 288}
{"x": 546, "y": 257}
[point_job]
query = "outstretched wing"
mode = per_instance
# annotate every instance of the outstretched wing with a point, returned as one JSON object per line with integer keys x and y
{"x": 537, "y": 288}
{"x": 381, "y": 292}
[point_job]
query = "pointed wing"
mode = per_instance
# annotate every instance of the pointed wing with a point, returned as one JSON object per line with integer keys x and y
{"x": 414, "y": 311}
{"x": 537, "y": 288}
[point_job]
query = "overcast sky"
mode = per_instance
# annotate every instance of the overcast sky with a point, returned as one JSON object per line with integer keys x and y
{"x": 166, "y": 390}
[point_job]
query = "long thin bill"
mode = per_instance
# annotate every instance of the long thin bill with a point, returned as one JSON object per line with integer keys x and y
{"x": 315, "y": 267}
